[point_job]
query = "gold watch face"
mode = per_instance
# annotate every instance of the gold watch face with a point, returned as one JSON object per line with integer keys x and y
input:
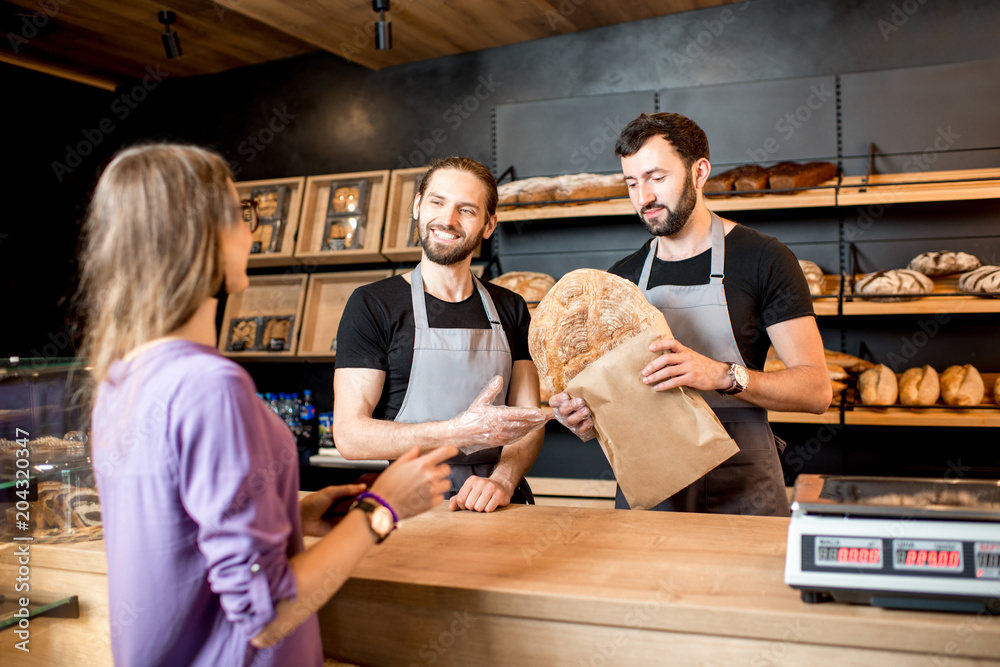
{"x": 381, "y": 519}
{"x": 741, "y": 375}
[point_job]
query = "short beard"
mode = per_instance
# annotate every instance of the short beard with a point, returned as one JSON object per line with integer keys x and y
{"x": 676, "y": 219}
{"x": 447, "y": 256}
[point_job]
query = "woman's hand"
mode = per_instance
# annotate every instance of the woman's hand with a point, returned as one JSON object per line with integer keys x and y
{"x": 413, "y": 484}
{"x": 315, "y": 504}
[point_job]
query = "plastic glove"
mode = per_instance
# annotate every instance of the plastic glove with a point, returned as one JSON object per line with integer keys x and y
{"x": 485, "y": 425}
{"x": 574, "y": 414}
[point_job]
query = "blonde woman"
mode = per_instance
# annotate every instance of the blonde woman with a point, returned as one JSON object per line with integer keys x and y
{"x": 198, "y": 479}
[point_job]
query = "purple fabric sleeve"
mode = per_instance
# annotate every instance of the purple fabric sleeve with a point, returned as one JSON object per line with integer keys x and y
{"x": 228, "y": 479}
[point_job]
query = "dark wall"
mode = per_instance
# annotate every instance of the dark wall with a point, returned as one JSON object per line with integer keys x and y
{"x": 319, "y": 114}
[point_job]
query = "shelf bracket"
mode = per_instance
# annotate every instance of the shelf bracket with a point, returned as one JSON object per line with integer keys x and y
{"x": 509, "y": 170}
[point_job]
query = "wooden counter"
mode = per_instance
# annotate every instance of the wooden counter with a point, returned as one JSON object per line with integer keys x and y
{"x": 574, "y": 586}
{"x": 550, "y": 585}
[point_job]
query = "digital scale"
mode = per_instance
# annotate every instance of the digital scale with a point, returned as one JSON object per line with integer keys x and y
{"x": 901, "y": 543}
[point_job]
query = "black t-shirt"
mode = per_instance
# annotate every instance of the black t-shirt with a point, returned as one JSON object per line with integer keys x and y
{"x": 376, "y": 330}
{"x": 763, "y": 282}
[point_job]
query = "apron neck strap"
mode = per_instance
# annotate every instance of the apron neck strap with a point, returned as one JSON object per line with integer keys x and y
{"x": 420, "y": 301}
{"x": 717, "y": 271}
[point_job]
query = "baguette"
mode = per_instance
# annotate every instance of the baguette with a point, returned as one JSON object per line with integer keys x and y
{"x": 848, "y": 362}
{"x": 787, "y": 175}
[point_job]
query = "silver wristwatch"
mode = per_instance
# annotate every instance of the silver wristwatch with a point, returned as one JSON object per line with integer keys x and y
{"x": 741, "y": 379}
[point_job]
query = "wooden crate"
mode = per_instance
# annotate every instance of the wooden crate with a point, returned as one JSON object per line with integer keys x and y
{"x": 399, "y": 211}
{"x": 325, "y": 300}
{"x": 267, "y": 296}
{"x": 285, "y": 255}
{"x": 312, "y": 225}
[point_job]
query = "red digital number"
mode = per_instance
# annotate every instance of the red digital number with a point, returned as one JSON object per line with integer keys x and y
{"x": 863, "y": 555}
{"x": 842, "y": 555}
{"x": 873, "y": 556}
{"x": 932, "y": 560}
{"x": 921, "y": 558}
{"x": 954, "y": 559}
{"x": 852, "y": 556}
{"x": 911, "y": 557}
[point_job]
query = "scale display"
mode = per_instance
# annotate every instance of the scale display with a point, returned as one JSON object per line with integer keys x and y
{"x": 927, "y": 555}
{"x": 853, "y": 552}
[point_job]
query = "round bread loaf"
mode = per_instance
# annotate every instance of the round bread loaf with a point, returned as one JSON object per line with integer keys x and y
{"x": 919, "y": 386}
{"x": 943, "y": 263}
{"x": 814, "y": 277}
{"x": 531, "y": 285}
{"x": 586, "y": 314}
{"x": 878, "y": 386}
{"x": 962, "y": 385}
{"x": 983, "y": 279}
{"x": 904, "y": 282}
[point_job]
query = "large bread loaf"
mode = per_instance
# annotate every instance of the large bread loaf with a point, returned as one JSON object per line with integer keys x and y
{"x": 983, "y": 279}
{"x": 814, "y": 277}
{"x": 878, "y": 386}
{"x": 906, "y": 284}
{"x": 531, "y": 285}
{"x": 943, "y": 263}
{"x": 786, "y": 175}
{"x": 586, "y": 314}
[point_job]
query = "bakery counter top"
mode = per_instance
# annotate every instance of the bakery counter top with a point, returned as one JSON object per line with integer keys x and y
{"x": 557, "y": 585}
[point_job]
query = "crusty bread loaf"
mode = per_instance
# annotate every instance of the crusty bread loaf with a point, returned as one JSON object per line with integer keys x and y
{"x": 590, "y": 186}
{"x": 906, "y": 284}
{"x": 585, "y": 315}
{"x": 848, "y": 362}
{"x": 751, "y": 177}
{"x": 983, "y": 279}
{"x": 537, "y": 189}
{"x": 785, "y": 175}
{"x": 507, "y": 192}
{"x": 878, "y": 386}
{"x": 943, "y": 263}
{"x": 531, "y": 285}
{"x": 962, "y": 385}
{"x": 919, "y": 386}
{"x": 814, "y": 277}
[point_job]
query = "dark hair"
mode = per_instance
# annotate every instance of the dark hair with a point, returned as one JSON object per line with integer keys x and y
{"x": 465, "y": 164}
{"x": 684, "y": 135}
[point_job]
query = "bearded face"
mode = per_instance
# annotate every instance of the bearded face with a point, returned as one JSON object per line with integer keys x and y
{"x": 674, "y": 218}
{"x": 444, "y": 244}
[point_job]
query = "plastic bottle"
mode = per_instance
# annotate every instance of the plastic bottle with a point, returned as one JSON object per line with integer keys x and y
{"x": 310, "y": 426}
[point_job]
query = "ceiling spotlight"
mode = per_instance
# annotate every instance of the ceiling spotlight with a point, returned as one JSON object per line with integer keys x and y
{"x": 171, "y": 42}
{"x": 383, "y": 29}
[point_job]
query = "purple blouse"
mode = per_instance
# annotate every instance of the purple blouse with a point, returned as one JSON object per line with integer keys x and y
{"x": 198, "y": 482}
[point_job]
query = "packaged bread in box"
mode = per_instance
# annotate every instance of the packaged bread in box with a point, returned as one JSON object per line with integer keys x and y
{"x": 590, "y": 337}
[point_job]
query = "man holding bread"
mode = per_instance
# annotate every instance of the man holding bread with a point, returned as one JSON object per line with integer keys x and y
{"x": 727, "y": 292}
{"x": 422, "y": 357}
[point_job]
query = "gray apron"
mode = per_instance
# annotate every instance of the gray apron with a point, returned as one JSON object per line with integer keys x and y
{"x": 750, "y": 481}
{"x": 450, "y": 368}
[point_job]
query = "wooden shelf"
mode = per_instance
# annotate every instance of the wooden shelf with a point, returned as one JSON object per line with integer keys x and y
{"x": 266, "y": 297}
{"x": 822, "y": 195}
{"x": 284, "y": 255}
{"x": 955, "y": 185}
{"x": 399, "y": 215}
{"x": 928, "y": 305}
{"x": 326, "y": 298}
{"x": 831, "y": 416}
{"x": 584, "y": 210}
{"x": 310, "y": 244}
{"x": 986, "y": 414}
{"x": 829, "y": 302}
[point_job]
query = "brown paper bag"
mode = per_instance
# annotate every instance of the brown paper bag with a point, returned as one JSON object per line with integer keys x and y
{"x": 657, "y": 442}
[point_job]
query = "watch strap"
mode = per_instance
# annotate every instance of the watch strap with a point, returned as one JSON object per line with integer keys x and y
{"x": 369, "y": 509}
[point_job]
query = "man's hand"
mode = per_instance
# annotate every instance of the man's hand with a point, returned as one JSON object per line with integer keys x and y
{"x": 680, "y": 366}
{"x": 574, "y": 414}
{"x": 315, "y": 504}
{"x": 481, "y": 494}
{"x": 486, "y": 425}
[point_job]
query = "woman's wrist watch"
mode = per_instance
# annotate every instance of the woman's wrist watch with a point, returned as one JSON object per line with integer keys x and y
{"x": 741, "y": 379}
{"x": 380, "y": 518}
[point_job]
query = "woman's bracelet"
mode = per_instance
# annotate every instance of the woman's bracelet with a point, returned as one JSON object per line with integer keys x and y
{"x": 380, "y": 500}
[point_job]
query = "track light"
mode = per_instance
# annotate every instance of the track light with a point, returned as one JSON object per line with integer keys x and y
{"x": 171, "y": 42}
{"x": 383, "y": 29}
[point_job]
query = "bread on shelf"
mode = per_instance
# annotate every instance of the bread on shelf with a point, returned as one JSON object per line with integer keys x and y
{"x": 919, "y": 386}
{"x": 531, "y": 285}
{"x": 962, "y": 386}
{"x": 563, "y": 188}
{"x": 982, "y": 280}
{"x": 894, "y": 285}
{"x": 943, "y": 263}
{"x": 878, "y": 386}
{"x": 814, "y": 277}
{"x": 788, "y": 175}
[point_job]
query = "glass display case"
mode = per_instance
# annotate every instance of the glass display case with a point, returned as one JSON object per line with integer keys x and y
{"x": 47, "y": 487}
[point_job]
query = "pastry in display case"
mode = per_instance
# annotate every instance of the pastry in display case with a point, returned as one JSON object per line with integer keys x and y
{"x": 47, "y": 488}
{"x": 345, "y": 215}
{"x": 272, "y": 211}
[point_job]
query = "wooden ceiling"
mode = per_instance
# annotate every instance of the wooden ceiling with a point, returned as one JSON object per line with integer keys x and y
{"x": 111, "y": 43}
